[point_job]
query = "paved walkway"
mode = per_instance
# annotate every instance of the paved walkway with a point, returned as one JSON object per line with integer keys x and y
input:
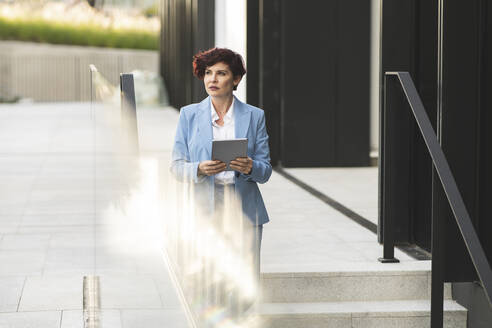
{"x": 72, "y": 205}
{"x": 341, "y": 184}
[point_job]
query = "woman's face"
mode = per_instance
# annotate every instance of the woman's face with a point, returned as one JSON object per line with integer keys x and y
{"x": 219, "y": 81}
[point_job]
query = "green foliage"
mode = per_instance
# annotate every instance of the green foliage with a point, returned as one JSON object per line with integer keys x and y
{"x": 84, "y": 35}
{"x": 9, "y": 100}
{"x": 152, "y": 10}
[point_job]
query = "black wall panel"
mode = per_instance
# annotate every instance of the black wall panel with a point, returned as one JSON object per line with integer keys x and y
{"x": 458, "y": 112}
{"x": 409, "y": 43}
{"x": 397, "y": 44}
{"x": 309, "y": 89}
{"x": 447, "y": 52}
{"x": 264, "y": 74}
{"x": 325, "y": 89}
{"x": 426, "y": 78}
{"x": 253, "y": 52}
{"x": 352, "y": 79}
{"x": 485, "y": 134}
{"x": 187, "y": 26}
{"x": 313, "y": 79}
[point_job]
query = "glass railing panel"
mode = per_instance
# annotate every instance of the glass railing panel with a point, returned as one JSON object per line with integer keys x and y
{"x": 130, "y": 176}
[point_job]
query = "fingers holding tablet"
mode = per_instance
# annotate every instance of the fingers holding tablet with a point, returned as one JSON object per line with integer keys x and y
{"x": 211, "y": 167}
{"x": 242, "y": 164}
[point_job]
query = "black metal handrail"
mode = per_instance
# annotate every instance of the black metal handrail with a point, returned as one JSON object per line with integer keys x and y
{"x": 448, "y": 182}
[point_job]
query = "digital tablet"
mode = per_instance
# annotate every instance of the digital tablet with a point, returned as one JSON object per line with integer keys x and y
{"x": 227, "y": 150}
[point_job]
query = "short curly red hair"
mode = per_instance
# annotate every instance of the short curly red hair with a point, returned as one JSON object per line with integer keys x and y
{"x": 210, "y": 57}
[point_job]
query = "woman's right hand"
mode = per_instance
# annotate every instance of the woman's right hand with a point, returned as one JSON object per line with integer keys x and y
{"x": 211, "y": 167}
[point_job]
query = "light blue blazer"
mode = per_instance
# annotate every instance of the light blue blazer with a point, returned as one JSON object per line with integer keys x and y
{"x": 193, "y": 144}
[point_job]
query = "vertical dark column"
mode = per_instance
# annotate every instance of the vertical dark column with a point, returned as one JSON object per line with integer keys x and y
{"x": 458, "y": 112}
{"x": 264, "y": 66}
{"x": 391, "y": 158}
{"x": 187, "y": 26}
{"x": 203, "y": 38}
{"x": 352, "y": 62}
{"x": 485, "y": 121}
{"x": 253, "y": 52}
{"x": 186, "y": 35}
{"x": 409, "y": 43}
{"x": 397, "y": 54}
{"x": 425, "y": 74}
{"x": 309, "y": 75}
{"x": 438, "y": 253}
{"x": 438, "y": 229}
{"x": 270, "y": 54}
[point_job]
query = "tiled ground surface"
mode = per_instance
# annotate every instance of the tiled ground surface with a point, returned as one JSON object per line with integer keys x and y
{"x": 70, "y": 205}
{"x": 342, "y": 184}
{"x": 60, "y": 172}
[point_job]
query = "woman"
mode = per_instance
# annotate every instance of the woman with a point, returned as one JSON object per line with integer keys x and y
{"x": 223, "y": 116}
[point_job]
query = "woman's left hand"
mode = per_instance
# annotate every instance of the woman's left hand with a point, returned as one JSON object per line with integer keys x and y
{"x": 242, "y": 164}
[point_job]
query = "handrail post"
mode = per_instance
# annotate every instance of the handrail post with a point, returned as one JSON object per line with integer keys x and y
{"x": 388, "y": 224}
{"x": 437, "y": 244}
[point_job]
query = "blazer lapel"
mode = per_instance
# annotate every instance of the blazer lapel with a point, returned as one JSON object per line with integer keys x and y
{"x": 205, "y": 126}
{"x": 242, "y": 117}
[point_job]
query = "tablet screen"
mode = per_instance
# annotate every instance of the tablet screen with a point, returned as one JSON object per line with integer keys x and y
{"x": 227, "y": 150}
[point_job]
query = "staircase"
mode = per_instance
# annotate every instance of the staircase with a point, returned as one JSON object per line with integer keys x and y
{"x": 395, "y": 296}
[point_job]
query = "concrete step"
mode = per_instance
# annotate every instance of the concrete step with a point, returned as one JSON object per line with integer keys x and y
{"x": 385, "y": 314}
{"x": 348, "y": 286}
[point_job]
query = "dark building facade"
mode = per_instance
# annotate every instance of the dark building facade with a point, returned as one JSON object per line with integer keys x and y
{"x": 445, "y": 45}
{"x": 309, "y": 70}
{"x": 187, "y": 26}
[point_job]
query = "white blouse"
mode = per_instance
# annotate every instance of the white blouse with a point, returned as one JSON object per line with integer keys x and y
{"x": 224, "y": 132}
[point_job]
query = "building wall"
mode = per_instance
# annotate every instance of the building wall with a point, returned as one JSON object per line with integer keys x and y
{"x": 47, "y": 73}
{"x": 312, "y": 78}
{"x": 445, "y": 46}
{"x": 187, "y": 26}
